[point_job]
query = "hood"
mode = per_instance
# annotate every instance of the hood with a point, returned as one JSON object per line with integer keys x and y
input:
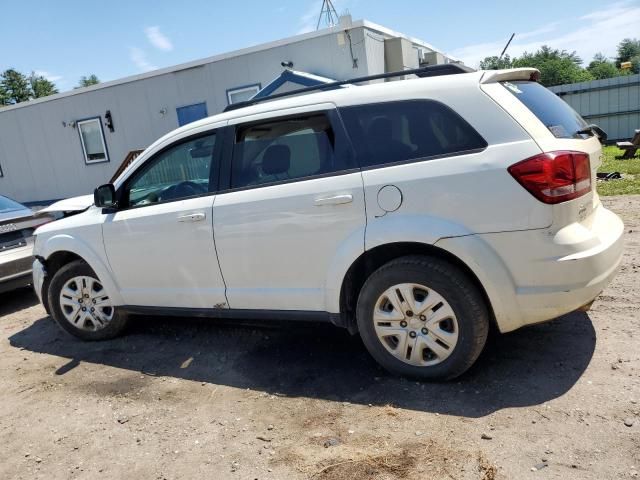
{"x": 74, "y": 204}
{"x": 17, "y": 214}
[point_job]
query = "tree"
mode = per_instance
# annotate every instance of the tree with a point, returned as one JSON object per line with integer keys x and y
{"x": 4, "y": 99}
{"x": 40, "y": 86}
{"x": 627, "y": 50}
{"x": 88, "y": 81}
{"x": 15, "y": 87}
{"x": 556, "y": 67}
{"x": 496, "y": 63}
{"x": 600, "y": 67}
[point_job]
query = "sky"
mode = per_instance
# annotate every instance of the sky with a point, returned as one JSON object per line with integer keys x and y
{"x": 66, "y": 39}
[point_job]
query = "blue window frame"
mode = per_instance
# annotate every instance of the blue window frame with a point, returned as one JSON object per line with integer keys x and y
{"x": 191, "y": 113}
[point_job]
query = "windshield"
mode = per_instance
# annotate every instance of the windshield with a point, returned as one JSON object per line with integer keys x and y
{"x": 561, "y": 120}
{"x": 8, "y": 205}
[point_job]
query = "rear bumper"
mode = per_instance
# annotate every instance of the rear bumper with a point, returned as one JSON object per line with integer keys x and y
{"x": 535, "y": 276}
{"x": 15, "y": 268}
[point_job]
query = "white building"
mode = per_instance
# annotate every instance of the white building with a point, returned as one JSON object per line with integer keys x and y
{"x": 67, "y": 144}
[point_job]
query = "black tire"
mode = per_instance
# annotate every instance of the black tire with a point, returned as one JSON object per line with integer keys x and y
{"x": 79, "y": 268}
{"x": 455, "y": 287}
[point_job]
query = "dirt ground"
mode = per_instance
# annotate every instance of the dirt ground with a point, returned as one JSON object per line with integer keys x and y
{"x": 181, "y": 398}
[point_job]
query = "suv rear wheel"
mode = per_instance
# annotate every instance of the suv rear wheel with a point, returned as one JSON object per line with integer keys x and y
{"x": 80, "y": 305}
{"x": 422, "y": 317}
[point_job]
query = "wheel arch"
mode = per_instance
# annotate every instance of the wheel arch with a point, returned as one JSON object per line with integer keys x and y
{"x": 61, "y": 250}
{"x": 369, "y": 261}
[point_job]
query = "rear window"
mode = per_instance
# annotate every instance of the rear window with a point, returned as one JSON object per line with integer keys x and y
{"x": 561, "y": 120}
{"x": 384, "y": 133}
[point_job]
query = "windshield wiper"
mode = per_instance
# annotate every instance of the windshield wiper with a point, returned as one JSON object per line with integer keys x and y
{"x": 592, "y": 130}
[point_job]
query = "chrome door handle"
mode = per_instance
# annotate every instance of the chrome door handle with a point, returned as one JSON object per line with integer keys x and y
{"x": 192, "y": 217}
{"x": 335, "y": 200}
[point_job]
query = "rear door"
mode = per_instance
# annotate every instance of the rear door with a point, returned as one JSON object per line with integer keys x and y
{"x": 294, "y": 200}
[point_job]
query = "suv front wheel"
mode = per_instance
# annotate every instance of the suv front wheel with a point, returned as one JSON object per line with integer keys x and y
{"x": 422, "y": 317}
{"x": 81, "y": 306}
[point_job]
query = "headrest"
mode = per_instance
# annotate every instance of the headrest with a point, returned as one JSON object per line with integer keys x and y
{"x": 276, "y": 160}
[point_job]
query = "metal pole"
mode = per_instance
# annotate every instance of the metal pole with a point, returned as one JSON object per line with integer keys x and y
{"x": 506, "y": 46}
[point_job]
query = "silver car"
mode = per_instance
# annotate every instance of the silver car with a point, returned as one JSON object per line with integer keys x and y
{"x": 17, "y": 224}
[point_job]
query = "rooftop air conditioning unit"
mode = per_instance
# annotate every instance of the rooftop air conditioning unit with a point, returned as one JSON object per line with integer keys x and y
{"x": 432, "y": 58}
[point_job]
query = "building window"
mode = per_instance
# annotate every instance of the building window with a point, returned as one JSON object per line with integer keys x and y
{"x": 94, "y": 147}
{"x": 191, "y": 113}
{"x": 242, "y": 94}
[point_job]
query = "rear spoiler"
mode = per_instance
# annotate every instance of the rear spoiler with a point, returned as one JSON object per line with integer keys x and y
{"x": 493, "y": 76}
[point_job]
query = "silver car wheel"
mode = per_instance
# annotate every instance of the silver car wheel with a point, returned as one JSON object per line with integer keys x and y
{"x": 415, "y": 324}
{"x": 85, "y": 304}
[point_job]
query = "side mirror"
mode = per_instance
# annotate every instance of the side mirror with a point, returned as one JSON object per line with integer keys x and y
{"x": 105, "y": 196}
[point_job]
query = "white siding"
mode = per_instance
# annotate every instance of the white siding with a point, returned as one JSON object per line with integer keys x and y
{"x": 42, "y": 159}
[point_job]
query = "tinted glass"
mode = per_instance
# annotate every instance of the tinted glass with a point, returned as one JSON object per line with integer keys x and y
{"x": 399, "y": 131}
{"x": 8, "y": 205}
{"x": 561, "y": 120}
{"x": 181, "y": 171}
{"x": 283, "y": 150}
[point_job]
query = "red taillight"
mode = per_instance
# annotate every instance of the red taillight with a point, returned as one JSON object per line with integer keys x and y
{"x": 554, "y": 177}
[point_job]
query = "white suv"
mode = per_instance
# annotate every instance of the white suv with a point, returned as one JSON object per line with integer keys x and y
{"x": 416, "y": 213}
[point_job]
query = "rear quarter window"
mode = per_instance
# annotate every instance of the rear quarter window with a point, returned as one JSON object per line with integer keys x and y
{"x": 561, "y": 120}
{"x": 391, "y": 132}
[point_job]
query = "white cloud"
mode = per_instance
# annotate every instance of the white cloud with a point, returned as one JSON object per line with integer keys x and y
{"x": 49, "y": 76}
{"x": 139, "y": 58}
{"x": 594, "y": 32}
{"x": 158, "y": 39}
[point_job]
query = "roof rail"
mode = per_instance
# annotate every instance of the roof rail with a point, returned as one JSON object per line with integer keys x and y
{"x": 429, "y": 71}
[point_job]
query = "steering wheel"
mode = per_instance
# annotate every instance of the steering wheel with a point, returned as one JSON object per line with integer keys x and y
{"x": 182, "y": 189}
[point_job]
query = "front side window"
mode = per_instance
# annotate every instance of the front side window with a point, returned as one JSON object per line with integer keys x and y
{"x": 391, "y": 132}
{"x": 282, "y": 150}
{"x": 94, "y": 147}
{"x": 181, "y": 171}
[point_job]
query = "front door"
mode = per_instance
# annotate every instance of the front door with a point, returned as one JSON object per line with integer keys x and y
{"x": 160, "y": 243}
{"x": 294, "y": 202}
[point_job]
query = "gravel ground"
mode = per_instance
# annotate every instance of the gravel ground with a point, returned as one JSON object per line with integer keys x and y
{"x": 181, "y": 398}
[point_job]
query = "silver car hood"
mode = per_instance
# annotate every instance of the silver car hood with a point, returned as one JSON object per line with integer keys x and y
{"x": 74, "y": 204}
{"x": 15, "y": 214}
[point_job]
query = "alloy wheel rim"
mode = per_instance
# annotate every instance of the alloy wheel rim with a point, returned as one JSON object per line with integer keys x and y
{"x": 415, "y": 324}
{"x": 85, "y": 304}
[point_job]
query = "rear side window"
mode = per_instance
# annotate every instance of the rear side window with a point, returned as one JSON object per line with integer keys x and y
{"x": 561, "y": 120}
{"x": 391, "y": 132}
{"x": 282, "y": 150}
